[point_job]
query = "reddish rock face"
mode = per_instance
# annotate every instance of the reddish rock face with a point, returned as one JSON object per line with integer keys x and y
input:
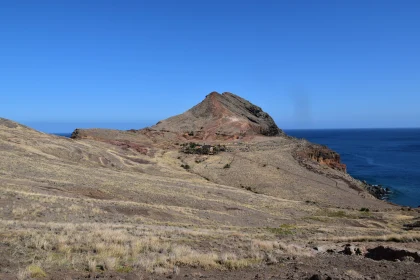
{"x": 221, "y": 116}
{"x": 321, "y": 154}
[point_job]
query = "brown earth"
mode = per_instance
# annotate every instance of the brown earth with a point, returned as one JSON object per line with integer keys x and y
{"x": 112, "y": 204}
{"x": 221, "y": 116}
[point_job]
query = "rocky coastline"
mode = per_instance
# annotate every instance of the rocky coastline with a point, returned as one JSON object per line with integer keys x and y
{"x": 327, "y": 157}
{"x": 377, "y": 191}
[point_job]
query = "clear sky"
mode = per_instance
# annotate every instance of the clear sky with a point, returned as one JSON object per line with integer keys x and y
{"x": 310, "y": 64}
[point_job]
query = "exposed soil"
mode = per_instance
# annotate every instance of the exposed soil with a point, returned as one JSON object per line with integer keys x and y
{"x": 134, "y": 204}
{"x": 324, "y": 267}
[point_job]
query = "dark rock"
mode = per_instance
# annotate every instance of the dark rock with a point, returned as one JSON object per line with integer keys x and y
{"x": 315, "y": 277}
{"x": 413, "y": 225}
{"x": 377, "y": 190}
{"x": 358, "y": 251}
{"x": 75, "y": 134}
{"x": 349, "y": 250}
{"x": 391, "y": 254}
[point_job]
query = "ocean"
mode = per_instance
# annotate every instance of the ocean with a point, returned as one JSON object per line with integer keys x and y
{"x": 387, "y": 157}
{"x": 63, "y": 134}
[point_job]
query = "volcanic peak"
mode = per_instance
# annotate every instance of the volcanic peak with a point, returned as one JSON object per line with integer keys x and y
{"x": 222, "y": 114}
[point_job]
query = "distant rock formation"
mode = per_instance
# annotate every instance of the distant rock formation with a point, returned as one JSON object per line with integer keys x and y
{"x": 321, "y": 154}
{"x": 217, "y": 119}
{"x": 223, "y": 115}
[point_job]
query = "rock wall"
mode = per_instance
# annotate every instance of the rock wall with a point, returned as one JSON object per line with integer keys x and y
{"x": 321, "y": 154}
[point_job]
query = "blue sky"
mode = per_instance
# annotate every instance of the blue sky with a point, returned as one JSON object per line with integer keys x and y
{"x": 310, "y": 64}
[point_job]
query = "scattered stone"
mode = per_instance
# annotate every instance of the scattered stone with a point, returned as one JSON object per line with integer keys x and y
{"x": 392, "y": 254}
{"x": 315, "y": 277}
{"x": 377, "y": 191}
{"x": 349, "y": 250}
{"x": 412, "y": 225}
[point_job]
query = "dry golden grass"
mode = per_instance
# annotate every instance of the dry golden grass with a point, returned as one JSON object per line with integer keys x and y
{"x": 35, "y": 271}
{"x": 65, "y": 207}
{"x": 397, "y": 237}
{"x": 121, "y": 248}
{"x": 22, "y": 274}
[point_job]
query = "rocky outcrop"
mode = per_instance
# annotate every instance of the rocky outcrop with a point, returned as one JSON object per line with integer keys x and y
{"x": 377, "y": 190}
{"x": 321, "y": 154}
{"x": 221, "y": 116}
{"x": 7, "y": 123}
{"x": 392, "y": 254}
{"x": 76, "y": 134}
{"x": 377, "y": 253}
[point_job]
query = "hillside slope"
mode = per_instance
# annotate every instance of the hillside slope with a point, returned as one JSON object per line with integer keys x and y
{"x": 260, "y": 156}
{"x": 123, "y": 204}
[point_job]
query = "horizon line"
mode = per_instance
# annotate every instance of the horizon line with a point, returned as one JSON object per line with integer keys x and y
{"x": 285, "y": 129}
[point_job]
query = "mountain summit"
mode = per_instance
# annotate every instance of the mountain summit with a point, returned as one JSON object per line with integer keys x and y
{"x": 223, "y": 114}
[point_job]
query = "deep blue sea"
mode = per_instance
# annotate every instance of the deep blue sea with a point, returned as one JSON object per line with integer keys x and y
{"x": 63, "y": 134}
{"x": 388, "y": 157}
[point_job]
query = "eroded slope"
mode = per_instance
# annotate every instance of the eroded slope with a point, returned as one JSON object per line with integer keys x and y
{"x": 120, "y": 203}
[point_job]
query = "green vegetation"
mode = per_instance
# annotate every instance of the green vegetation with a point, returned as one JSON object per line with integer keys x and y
{"x": 36, "y": 271}
{"x": 364, "y": 213}
{"x": 227, "y": 165}
{"x": 202, "y": 149}
{"x": 185, "y": 166}
{"x": 284, "y": 229}
{"x": 336, "y": 214}
{"x": 316, "y": 218}
{"x": 124, "y": 269}
{"x": 192, "y": 145}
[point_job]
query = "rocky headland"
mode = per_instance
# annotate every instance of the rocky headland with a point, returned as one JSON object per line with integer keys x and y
{"x": 218, "y": 192}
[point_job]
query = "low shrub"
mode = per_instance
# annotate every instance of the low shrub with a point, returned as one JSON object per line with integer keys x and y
{"x": 185, "y": 166}
{"x": 36, "y": 271}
